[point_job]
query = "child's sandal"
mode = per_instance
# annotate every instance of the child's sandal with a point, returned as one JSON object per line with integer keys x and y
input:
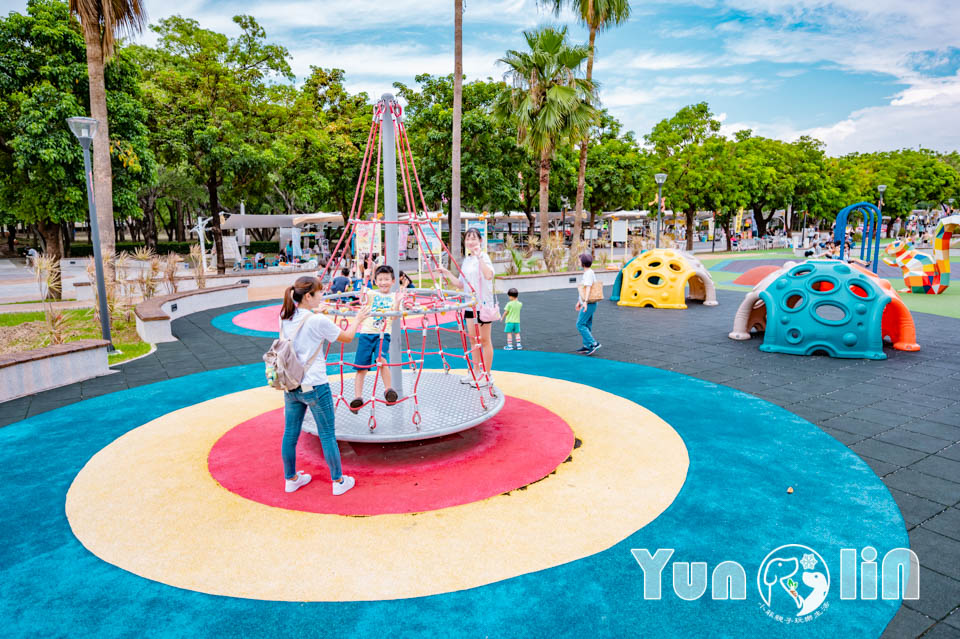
{"x": 356, "y": 405}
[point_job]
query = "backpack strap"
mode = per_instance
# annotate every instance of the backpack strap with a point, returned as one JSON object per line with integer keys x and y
{"x": 296, "y": 332}
{"x": 310, "y": 361}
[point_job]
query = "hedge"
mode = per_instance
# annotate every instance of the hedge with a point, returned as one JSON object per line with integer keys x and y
{"x": 183, "y": 248}
{"x": 86, "y": 250}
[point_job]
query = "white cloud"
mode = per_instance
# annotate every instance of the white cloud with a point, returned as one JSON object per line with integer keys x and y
{"x": 924, "y": 115}
{"x": 624, "y": 60}
{"x": 393, "y": 62}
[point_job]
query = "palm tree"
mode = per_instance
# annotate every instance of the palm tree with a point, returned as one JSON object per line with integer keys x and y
{"x": 597, "y": 15}
{"x": 102, "y": 21}
{"x": 549, "y": 103}
{"x": 457, "y": 119}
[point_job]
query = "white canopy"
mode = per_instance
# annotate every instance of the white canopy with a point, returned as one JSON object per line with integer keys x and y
{"x": 237, "y": 221}
{"x": 625, "y": 215}
{"x": 319, "y": 218}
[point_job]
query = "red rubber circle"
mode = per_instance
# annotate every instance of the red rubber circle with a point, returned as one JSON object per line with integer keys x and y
{"x": 523, "y": 443}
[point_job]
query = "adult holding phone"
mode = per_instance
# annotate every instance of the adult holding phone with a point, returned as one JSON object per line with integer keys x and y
{"x": 476, "y": 274}
{"x": 308, "y": 332}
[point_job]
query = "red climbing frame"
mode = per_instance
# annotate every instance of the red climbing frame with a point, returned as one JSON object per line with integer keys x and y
{"x": 430, "y": 304}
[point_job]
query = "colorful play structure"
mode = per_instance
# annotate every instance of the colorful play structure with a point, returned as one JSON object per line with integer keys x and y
{"x": 660, "y": 277}
{"x": 829, "y": 306}
{"x": 921, "y": 273}
{"x": 870, "y": 246}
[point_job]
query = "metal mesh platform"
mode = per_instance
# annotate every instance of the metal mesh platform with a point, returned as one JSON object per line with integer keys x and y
{"x": 446, "y": 406}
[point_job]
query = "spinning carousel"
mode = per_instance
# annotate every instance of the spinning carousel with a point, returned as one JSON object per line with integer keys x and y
{"x": 457, "y": 392}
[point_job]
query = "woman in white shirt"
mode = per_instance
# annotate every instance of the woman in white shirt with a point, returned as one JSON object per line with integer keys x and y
{"x": 308, "y": 333}
{"x": 476, "y": 276}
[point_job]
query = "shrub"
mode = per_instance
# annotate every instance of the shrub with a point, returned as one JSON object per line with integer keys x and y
{"x": 86, "y": 250}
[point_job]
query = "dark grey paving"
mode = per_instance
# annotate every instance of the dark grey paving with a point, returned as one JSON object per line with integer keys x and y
{"x": 906, "y": 427}
{"x": 907, "y": 623}
{"x": 936, "y": 552}
{"x": 939, "y": 467}
{"x": 946, "y": 523}
{"x": 926, "y": 486}
{"x": 939, "y": 594}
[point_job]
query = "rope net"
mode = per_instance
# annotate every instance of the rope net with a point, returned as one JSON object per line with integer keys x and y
{"x": 427, "y": 315}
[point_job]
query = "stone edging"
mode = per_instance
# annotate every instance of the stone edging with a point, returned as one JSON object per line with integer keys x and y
{"x": 152, "y": 309}
{"x": 22, "y": 357}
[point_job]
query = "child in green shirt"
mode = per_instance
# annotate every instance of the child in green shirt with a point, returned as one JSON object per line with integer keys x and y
{"x": 511, "y": 319}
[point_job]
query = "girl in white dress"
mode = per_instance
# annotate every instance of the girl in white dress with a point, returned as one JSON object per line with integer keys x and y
{"x": 476, "y": 273}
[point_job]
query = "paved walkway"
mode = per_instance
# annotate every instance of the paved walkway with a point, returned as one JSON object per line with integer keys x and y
{"x": 901, "y": 415}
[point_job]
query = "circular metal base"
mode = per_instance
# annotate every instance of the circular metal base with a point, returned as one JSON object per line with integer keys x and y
{"x": 446, "y": 406}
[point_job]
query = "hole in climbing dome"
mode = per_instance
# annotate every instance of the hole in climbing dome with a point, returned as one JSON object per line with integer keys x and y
{"x": 822, "y": 285}
{"x": 675, "y": 267}
{"x": 637, "y": 274}
{"x": 654, "y": 280}
{"x": 858, "y": 290}
{"x": 800, "y": 272}
{"x": 794, "y": 300}
{"x": 655, "y": 264}
{"x": 831, "y": 313}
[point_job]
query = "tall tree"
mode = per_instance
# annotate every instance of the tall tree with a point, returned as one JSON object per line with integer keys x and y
{"x": 102, "y": 22}
{"x": 457, "y": 123}
{"x": 597, "y": 15}
{"x": 216, "y": 89}
{"x": 491, "y": 157}
{"x": 550, "y": 103}
{"x": 41, "y": 84}
{"x": 678, "y": 143}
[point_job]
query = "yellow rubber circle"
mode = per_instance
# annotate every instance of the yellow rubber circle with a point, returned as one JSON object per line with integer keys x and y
{"x": 148, "y": 504}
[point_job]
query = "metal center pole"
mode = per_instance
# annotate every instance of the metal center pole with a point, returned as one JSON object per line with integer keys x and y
{"x": 97, "y": 256}
{"x": 392, "y": 231}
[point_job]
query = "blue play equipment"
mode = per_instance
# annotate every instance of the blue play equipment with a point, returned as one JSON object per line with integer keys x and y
{"x": 870, "y": 246}
{"x": 824, "y": 306}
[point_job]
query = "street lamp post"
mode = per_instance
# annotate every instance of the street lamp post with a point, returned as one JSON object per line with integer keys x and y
{"x": 876, "y": 254}
{"x": 660, "y": 178}
{"x": 85, "y": 129}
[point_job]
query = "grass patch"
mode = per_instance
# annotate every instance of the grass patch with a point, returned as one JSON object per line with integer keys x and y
{"x": 14, "y": 319}
{"x": 127, "y": 351}
{"x": 72, "y": 299}
{"x": 28, "y": 331}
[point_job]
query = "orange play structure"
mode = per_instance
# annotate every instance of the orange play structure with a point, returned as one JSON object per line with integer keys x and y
{"x": 897, "y": 322}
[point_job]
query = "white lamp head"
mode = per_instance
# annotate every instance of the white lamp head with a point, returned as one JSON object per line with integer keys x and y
{"x": 882, "y": 188}
{"x": 660, "y": 178}
{"x": 84, "y": 128}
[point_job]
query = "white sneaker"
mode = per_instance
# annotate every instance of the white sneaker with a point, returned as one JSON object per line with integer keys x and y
{"x": 481, "y": 381}
{"x": 302, "y": 479}
{"x": 340, "y": 487}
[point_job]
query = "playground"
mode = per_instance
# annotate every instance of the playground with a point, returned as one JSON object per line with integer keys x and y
{"x": 734, "y": 462}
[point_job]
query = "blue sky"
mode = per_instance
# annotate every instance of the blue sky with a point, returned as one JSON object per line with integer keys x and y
{"x": 862, "y": 75}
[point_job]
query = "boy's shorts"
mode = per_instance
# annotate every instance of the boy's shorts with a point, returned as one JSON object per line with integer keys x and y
{"x": 511, "y": 327}
{"x": 368, "y": 346}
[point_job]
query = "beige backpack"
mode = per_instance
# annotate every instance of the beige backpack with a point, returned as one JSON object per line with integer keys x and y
{"x": 284, "y": 370}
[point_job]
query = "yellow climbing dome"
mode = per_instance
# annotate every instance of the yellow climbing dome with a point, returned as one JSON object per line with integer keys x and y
{"x": 659, "y": 278}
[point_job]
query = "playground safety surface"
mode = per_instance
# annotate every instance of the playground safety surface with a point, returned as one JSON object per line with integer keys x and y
{"x": 901, "y": 415}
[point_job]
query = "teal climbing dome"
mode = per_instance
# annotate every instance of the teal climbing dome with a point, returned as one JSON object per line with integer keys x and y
{"x": 824, "y": 306}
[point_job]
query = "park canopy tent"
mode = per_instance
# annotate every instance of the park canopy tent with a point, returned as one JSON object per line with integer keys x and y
{"x": 257, "y": 222}
{"x": 335, "y": 218}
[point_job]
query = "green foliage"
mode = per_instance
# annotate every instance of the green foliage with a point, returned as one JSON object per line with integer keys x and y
{"x": 43, "y": 81}
{"x": 490, "y": 158}
{"x": 201, "y": 122}
{"x": 181, "y": 248}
